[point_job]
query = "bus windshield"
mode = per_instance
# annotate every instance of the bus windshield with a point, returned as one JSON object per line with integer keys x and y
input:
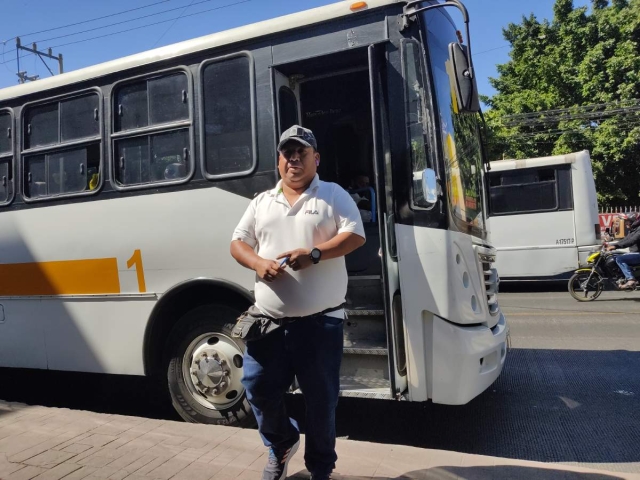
{"x": 460, "y": 134}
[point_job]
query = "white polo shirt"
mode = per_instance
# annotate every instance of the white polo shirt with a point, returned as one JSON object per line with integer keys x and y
{"x": 271, "y": 226}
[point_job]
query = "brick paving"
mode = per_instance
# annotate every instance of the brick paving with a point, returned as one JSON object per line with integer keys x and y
{"x": 50, "y": 444}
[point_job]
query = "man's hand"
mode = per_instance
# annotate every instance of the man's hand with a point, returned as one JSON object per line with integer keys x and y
{"x": 268, "y": 270}
{"x": 610, "y": 247}
{"x": 299, "y": 259}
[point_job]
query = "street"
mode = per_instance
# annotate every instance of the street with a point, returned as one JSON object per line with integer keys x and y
{"x": 570, "y": 392}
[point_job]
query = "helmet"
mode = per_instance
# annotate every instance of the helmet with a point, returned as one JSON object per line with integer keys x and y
{"x": 628, "y": 217}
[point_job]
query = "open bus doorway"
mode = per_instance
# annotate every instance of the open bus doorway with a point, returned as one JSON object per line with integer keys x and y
{"x": 332, "y": 97}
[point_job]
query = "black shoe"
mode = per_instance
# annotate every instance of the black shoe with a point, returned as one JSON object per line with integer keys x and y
{"x": 276, "y": 468}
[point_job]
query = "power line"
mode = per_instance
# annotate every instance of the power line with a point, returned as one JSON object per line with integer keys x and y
{"x": 491, "y": 50}
{"x": 586, "y": 113}
{"x": 152, "y": 24}
{"x": 140, "y": 27}
{"x": 592, "y": 108}
{"x": 627, "y": 127}
{"x": 171, "y": 26}
{"x": 120, "y": 23}
{"x": 90, "y": 20}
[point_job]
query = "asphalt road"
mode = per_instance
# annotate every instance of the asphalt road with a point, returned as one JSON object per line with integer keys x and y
{"x": 570, "y": 391}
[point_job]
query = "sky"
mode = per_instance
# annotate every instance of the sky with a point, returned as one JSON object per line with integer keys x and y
{"x": 177, "y": 20}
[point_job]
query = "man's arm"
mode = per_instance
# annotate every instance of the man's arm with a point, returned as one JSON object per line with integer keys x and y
{"x": 629, "y": 240}
{"x": 339, "y": 246}
{"x": 245, "y": 255}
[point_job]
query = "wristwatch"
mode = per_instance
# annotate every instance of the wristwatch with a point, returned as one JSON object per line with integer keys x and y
{"x": 315, "y": 255}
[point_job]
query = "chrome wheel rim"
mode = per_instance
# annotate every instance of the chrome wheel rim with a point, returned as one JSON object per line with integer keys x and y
{"x": 212, "y": 371}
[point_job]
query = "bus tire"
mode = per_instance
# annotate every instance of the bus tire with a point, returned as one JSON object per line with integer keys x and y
{"x": 205, "y": 368}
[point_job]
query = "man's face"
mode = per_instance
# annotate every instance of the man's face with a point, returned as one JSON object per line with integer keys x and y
{"x": 297, "y": 164}
{"x": 362, "y": 181}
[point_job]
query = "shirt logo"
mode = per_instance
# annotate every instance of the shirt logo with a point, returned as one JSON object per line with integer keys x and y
{"x": 311, "y": 212}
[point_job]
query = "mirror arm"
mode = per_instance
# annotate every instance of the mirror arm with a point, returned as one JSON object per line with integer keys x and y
{"x": 410, "y": 11}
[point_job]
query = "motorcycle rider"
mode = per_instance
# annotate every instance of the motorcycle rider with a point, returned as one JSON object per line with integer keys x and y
{"x": 632, "y": 240}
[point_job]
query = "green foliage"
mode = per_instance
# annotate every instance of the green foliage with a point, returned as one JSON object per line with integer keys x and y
{"x": 582, "y": 57}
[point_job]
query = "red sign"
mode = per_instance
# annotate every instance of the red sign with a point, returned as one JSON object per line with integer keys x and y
{"x": 607, "y": 220}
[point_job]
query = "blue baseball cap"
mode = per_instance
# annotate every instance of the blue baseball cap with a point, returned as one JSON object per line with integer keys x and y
{"x": 298, "y": 134}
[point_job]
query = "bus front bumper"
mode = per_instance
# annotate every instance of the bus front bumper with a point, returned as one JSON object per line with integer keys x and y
{"x": 466, "y": 360}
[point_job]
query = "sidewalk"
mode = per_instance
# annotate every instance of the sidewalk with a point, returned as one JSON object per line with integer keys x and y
{"x": 50, "y": 444}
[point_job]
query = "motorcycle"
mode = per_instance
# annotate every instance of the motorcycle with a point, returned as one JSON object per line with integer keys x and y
{"x": 586, "y": 284}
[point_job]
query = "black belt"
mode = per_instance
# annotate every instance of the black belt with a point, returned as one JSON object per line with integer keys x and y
{"x": 287, "y": 320}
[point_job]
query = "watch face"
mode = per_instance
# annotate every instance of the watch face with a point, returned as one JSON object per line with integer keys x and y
{"x": 315, "y": 254}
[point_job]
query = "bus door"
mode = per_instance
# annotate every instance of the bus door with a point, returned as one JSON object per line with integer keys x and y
{"x": 287, "y": 92}
{"x": 388, "y": 250}
{"x": 339, "y": 97}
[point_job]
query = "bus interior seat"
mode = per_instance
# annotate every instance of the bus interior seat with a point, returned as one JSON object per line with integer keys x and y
{"x": 366, "y": 259}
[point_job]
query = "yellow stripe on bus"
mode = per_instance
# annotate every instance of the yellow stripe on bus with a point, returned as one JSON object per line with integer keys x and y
{"x": 70, "y": 277}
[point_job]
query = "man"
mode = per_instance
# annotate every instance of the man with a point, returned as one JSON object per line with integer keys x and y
{"x": 358, "y": 185}
{"x": 632, "y": 240}
{"x": 309, "y": 226}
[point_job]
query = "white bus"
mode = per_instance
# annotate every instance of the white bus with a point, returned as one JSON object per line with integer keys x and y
{"x": 543, "y": 216}
{"x": 121, "y": 185}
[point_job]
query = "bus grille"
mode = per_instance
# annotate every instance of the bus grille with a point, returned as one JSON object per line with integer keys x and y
{"x": 491, "y": 282}
{"x": 491, "y": 279}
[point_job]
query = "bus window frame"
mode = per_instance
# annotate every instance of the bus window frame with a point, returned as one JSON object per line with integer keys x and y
{"x": 430, "y": 152}
{"x": 62, "y": 146}
{"x": 11, "y": 155}
{"x": 150, "y": 130}
{"x": 254, "y": 116}
{"x": 556, "y": 181}
{"x": 287, "y": 91}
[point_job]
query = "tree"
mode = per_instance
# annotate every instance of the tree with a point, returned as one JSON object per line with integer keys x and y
{"x": 573, "y": 83}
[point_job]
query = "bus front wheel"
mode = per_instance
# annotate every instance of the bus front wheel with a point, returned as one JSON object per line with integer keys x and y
{"x": 205, "y": 368}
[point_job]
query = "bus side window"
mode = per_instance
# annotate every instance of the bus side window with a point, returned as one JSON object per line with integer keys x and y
{"x": 524, "y": 191}
{"x": 163, "y": 156}
{"x": 6, "y": 157}
{"x": 68, "y": 137}
{"x": 229, "y": 130}
{"x": 5, "y": 181}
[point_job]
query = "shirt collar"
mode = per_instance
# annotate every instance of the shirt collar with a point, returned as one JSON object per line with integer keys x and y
{"x": 315, "y": 183}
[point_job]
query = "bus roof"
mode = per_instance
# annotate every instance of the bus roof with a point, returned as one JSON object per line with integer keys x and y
{"x": 502, "y": 165}
{"x": 227, "y": 37}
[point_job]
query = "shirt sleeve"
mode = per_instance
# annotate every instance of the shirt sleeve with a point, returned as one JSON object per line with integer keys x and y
{"x": 631, "y": 239}
{"x": 246, "y": 229}
{"x": 346, "y": 213}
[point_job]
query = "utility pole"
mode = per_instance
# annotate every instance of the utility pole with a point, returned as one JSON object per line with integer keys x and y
{"x": 22, "y": 75}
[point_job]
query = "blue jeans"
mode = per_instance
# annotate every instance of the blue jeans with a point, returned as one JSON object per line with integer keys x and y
{"x": 625, "y": 260}
{"x": 311, "y": 350}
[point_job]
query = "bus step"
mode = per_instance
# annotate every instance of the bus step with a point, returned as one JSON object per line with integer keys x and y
{"x": 368, "y": 311}
{"x": 365, "y": 350}
{"x": 368, "y": 329}
{"x": 365, "y": 387}
{"x": 365, "y": 346}
{"x": 364, "y": 291}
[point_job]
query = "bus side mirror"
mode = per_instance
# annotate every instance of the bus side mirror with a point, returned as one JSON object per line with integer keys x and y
{"x": 430, "y": 186}
{"x": 466, "y": 88}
